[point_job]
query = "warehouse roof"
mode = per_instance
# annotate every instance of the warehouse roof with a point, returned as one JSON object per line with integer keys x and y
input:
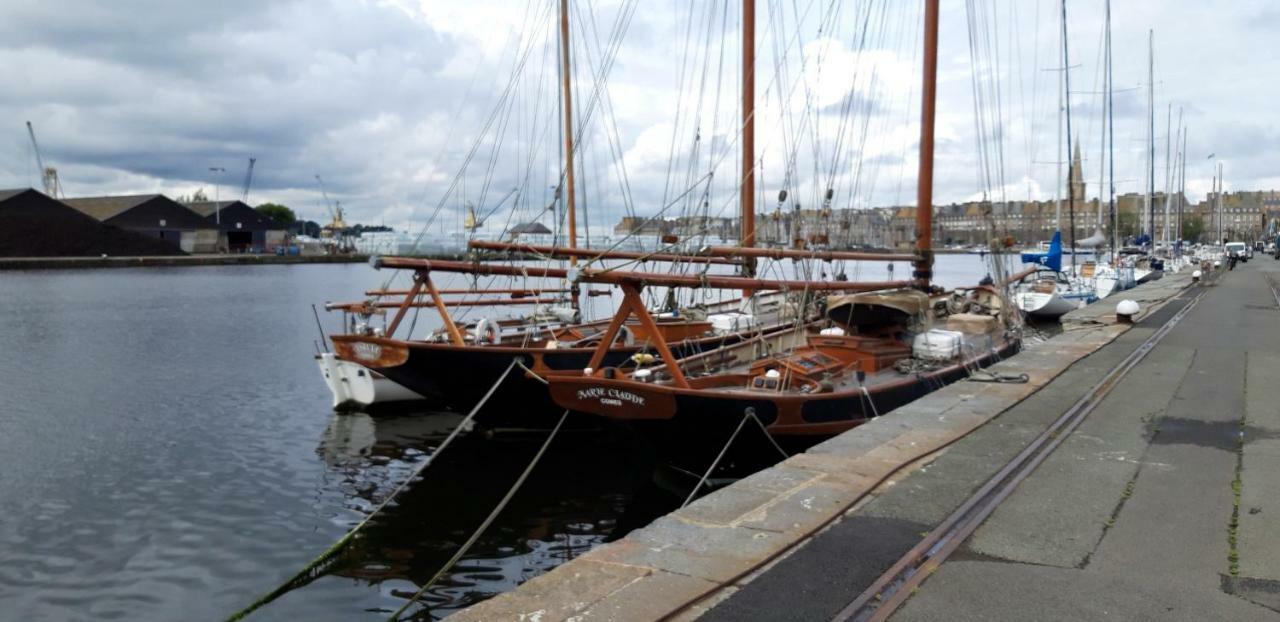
{"x": 104, "y": 208}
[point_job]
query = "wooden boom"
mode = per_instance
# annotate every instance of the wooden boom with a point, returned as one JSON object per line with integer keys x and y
{"x": 596, "y": 253}
{"x": 618, "y": 277}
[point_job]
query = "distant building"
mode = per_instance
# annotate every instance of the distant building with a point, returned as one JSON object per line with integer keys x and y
{"x": 639, "y": 225}
{"x": 530, "y": 233}
{"x": 241, "y": 229}
{"x": 155, "y": 215}
{"x": 33, "y": 224}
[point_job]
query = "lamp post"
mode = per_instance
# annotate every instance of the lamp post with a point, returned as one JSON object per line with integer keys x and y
{"x": 217, "y": 205}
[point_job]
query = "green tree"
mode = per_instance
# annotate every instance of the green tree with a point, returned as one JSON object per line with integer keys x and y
{"x": 196, "y": 197}
{"x": 277, "y": 212}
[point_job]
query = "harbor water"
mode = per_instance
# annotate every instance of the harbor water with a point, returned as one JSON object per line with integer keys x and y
{"x": 169, "y": 452}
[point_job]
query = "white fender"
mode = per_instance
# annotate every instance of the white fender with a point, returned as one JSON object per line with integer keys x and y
{"x": 487, "y": 332}
{"x": 628, "y": 337}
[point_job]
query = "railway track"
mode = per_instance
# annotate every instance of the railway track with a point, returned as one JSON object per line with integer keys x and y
{"x": 892, "y": 588}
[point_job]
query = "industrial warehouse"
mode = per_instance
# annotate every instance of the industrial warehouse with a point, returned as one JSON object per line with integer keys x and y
{"x": 33, "y": 224}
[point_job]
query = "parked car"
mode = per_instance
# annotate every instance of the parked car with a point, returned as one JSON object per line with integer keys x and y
{"x": 1238, "y": 251}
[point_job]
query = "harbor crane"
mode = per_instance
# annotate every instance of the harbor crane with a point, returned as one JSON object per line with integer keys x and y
{"x": 337, "y": 227}
{"x": 248, "y": 181}
{"x": 48, "y": 174}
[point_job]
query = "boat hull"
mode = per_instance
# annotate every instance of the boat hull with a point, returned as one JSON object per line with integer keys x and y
{"x": 456, "y": 378}
{"x": 356, "y": 387}
{"x": 689, "y": 427}
{"x": 1045, "y": 306}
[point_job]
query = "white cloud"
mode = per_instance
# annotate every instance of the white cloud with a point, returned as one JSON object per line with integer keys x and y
{"x": 386, "y": 99}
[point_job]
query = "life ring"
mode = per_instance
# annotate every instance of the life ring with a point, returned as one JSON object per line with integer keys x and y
{"x": 487, "y": 332}
{"x": 628, "y": 337}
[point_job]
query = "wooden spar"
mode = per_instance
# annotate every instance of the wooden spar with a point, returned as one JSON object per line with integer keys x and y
{"x": 711, "y": 254}
{"x": 1018, "y": 276}
{"x": 465, "y": 267}
{"x": 924, "y": 192}
{"x": 455, "y": 335}
{"x": 713, "y": 281}
{"x": 495, "y": 302}
{"x": 592, "y": 253}
{"x": 565, "y": 75}
{"x": 789, "y": 253}
{"x": 747, "y": 235}
{"x": 413, "y": 293}
{"x": 515, "y": 293}
{"x": 618, "y": 277}
{"x": 633, "y": 305}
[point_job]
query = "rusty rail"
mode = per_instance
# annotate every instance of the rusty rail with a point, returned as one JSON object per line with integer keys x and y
{"x": 892, "y": 588}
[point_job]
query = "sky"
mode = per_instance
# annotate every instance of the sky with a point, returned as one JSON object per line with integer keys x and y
{"x": 412, "y": 110}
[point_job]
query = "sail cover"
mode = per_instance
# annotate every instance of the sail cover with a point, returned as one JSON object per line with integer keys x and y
{"x": 876, "y": 309}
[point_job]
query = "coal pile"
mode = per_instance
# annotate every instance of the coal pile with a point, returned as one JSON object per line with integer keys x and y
{"x": 35, "y": 225}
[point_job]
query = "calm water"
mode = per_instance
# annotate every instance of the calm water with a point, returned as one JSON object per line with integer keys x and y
{"x": 168, "y": 452}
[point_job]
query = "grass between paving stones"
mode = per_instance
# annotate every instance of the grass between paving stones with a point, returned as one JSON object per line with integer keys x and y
{"x": 1233, "y": 526}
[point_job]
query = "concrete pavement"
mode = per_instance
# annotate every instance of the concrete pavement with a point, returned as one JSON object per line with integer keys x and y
{"x": 1164, "y": 504}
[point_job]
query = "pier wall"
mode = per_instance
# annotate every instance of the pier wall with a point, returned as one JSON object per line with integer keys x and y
{"x": 688, "y": 561}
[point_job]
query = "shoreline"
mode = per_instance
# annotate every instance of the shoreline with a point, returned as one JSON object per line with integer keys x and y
{"x": 169, "y": 261}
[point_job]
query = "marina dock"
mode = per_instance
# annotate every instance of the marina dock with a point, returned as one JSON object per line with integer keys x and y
{"x": 1154, "y": 491}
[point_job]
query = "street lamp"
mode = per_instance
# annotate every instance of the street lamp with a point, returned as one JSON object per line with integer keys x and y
{"x": 217, "y": 206}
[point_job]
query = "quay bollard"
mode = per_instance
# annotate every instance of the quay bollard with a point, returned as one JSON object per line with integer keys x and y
{"x": 1126, "y": 310}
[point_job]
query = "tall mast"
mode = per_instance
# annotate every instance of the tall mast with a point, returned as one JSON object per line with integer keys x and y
{"x": 1221, "y": 185}
{"x": 1151, "y": 136}
{"x": 747, "y": 235}
{"x": 1066, "y": 110}
{"x": 1111, "y": 149}
{"x": 1182, "y": 184}
{"x": 1057, "y": 186}
{"x": 1170, "y": 176}
{"x": 924, "y": 191}
{"x": 568, "y": 137}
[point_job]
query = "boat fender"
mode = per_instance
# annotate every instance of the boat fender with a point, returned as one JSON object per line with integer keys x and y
{"x": 628, "y": 337}
{"x": 487, "y": 332}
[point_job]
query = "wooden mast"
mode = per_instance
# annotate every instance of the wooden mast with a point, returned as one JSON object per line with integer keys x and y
{"x": 924, "y": 192}
{"x": 568, "y": 138}
{"x": 747, "y": 236}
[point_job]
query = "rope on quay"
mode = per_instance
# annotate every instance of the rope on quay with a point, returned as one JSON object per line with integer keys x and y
{"x": 321, "y": 564}
{"x": 466, "y": 546}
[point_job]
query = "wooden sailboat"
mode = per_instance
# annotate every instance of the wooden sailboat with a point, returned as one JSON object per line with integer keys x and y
{"x": 455, "y": 366}
{"x": 874, "y": 350}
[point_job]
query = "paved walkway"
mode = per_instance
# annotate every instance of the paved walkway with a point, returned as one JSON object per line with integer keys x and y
{"x": 1131, "y": 518}
{"x": 1164, "y": 504}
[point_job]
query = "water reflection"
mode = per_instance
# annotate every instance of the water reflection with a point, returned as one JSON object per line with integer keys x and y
{"x": 590, "y": 487}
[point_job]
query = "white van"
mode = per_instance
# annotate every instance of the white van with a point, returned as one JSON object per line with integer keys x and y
{"x": 1239, "y": 250}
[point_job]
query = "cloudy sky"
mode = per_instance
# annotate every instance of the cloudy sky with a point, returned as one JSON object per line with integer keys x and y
{"x": 411, "y": 109}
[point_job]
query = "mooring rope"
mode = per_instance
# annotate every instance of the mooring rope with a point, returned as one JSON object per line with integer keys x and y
{"x": 466, "y": 546}
{"x": 320, "y": 564}
{"x": 723, "y": 450}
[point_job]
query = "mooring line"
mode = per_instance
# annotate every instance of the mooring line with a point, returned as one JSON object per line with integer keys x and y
{"x": 317, "y": 566}
{"x": 466, "y": 546}
{"x": 747, "y": 414}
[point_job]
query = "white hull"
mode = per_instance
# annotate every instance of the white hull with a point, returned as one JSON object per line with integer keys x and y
{"x": 1044, "y": 306}
{"x": 356, "y": 386}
